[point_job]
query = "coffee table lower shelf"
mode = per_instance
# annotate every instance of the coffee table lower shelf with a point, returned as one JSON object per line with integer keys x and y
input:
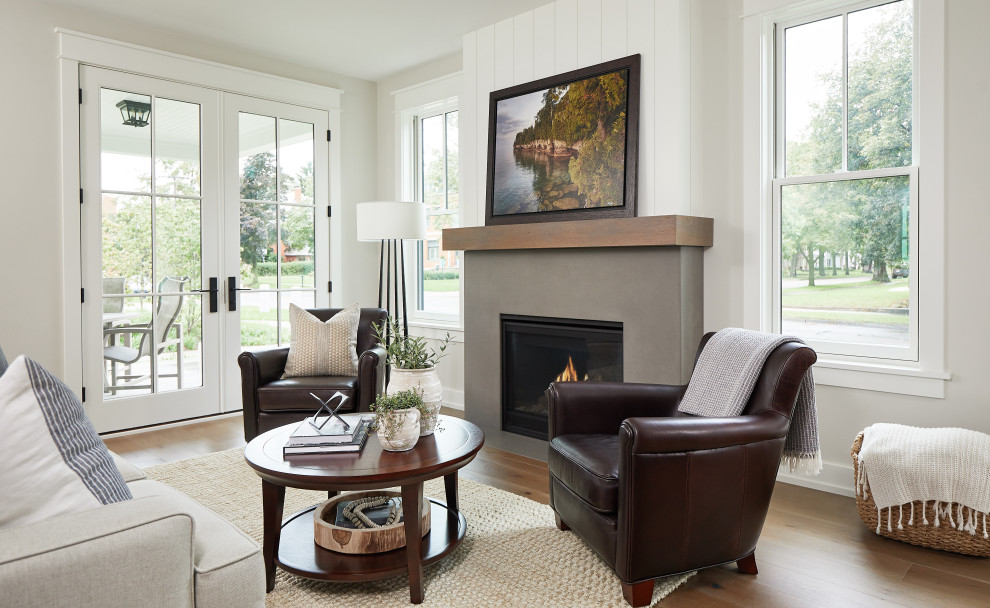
{"x": 299, "y": 554}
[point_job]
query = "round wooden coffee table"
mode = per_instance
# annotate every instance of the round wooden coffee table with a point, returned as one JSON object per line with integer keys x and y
{"x": 290, "y": 545}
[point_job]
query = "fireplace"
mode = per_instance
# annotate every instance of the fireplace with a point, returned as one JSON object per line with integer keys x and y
{"x": 539, "y": 350}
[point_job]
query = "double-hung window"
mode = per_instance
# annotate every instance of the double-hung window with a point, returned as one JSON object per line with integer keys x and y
{"x": 438, "y": 272}
{"x": 845, "y": 186}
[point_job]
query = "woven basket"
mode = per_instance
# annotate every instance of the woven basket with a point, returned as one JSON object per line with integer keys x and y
{"x": 943, "y": 537}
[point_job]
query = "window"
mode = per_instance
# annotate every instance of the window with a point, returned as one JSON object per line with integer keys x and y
{"x": 438, "y": 272}
{"x": 845, "y": 191}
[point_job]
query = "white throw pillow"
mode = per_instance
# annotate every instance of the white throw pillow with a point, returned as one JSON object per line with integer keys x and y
{"x": 321, "y": 348}
{"x": 54, "y": 463}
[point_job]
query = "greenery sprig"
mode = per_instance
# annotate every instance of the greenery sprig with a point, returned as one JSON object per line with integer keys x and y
{"x": 408, "y": 352}
{"x": 385, "y": 405}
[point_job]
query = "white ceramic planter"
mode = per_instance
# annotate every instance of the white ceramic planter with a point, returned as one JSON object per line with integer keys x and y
{"x": 405, "y": 436}
{"x": 428, "y": 383}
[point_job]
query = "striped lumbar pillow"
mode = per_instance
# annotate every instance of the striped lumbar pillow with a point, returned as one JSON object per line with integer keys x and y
{"x": 54, "y": 463}
{"x": 3, "y": 362}
{"x": 322, "y": 348}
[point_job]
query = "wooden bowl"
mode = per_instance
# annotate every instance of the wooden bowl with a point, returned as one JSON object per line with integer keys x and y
{"x": 361, "y": 540}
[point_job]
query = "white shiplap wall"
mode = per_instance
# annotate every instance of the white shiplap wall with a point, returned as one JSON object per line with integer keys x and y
{"x": 571, "y": 34}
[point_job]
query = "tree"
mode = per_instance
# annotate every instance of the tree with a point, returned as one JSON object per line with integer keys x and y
{"x": 258, "y": 219}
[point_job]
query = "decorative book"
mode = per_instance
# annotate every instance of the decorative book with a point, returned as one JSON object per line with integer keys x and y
{"x": 333, "y": 445}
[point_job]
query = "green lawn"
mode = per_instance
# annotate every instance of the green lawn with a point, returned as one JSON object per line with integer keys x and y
{"x": 849, "y": 295}
{"x": 441, "y": 284}
{"x": 288, "y": 280}
{"x": 858, "y": 318}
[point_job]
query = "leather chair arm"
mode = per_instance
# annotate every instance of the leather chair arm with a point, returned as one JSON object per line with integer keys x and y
{"x": 698, "y": 487}
{"x": 577, "y": 408}
{"x": 689, "y": 433}
{"x": 371, "y": 377}
{"x": 257, "y": 368}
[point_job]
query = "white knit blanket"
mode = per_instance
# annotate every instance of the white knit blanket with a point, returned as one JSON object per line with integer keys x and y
{"x": 901, "y": 464}
{"x": 723, "y": 381}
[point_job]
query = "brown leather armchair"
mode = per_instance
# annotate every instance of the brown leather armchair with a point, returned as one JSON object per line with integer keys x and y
{"x": 656, "y": 492}
{"x": 271, "y": 401}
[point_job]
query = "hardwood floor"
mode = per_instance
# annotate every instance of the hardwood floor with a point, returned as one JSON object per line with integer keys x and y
{"x": 814, "y": 551}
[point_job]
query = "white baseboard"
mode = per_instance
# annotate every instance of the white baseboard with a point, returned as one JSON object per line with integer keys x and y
{"x": 453, "y": 398}
{"x": 170, "y": 425}
{"x": 835, "y": 479}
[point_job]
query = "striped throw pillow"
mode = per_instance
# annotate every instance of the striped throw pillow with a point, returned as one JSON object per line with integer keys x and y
{"x": 319, "y": 348}
{"x": 54, "y": 463}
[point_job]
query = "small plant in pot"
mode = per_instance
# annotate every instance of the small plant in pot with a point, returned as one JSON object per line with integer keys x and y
{"x": 413, "y": 366}
{"x": 397, "y": 419}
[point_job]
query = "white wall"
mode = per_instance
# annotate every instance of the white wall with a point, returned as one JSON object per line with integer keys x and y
{"x": 571, "y": 34}
{"x": 30, "y": 235}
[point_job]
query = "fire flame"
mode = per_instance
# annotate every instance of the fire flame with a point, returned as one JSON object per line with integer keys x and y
{"x": 570, "y": 373}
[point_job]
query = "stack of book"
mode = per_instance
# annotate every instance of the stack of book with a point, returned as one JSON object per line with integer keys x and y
{"x": 332, "y": 438}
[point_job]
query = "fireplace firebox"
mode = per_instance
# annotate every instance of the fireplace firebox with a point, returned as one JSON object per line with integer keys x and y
{"x": 539, "y": 350}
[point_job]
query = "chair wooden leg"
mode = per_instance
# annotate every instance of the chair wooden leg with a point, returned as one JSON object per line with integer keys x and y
{"x": 638, "y": 594}
{"x": 560, "y": 523}
{"x": 747, "y": 565}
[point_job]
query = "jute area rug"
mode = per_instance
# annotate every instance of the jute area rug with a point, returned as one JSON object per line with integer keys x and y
{"x": 512, "y": 555}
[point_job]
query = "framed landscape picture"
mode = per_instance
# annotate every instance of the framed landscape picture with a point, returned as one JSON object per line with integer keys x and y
{"x": 565, "y": 147}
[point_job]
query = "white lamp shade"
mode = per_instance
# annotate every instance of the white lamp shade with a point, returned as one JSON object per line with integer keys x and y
{"x": 387, "y": 220}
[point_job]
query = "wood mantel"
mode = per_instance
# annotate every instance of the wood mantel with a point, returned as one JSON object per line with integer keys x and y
{"x": 649, "y": 231}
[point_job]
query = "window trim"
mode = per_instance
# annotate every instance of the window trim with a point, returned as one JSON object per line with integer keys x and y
{"x": 926, "y": 376}
{"x": 437, "y": 96}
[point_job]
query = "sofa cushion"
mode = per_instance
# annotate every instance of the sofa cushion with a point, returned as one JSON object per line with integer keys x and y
{"x": 229, "y": 569}
{"x": 294, "y": 393}
{"x": 54, "y": 463}
{"x": 323, "y": 348}
{"x": 127, "y": 470}
{"x": 589, "y": 466}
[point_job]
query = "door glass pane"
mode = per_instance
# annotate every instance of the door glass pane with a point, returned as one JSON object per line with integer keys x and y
{"x": 125, "y": 150}
{"x": 813, "y": 97}
{"x": 179, "y": 324}
{"x": 298, "y": 225}
{"x": 881, "y": 45}
{"x": 302, "y": 299}
{"x": 127, "y": 241}
{"x": 295, "y": 161}
{"x": 177, "y": 165}
{"x": 256, "y": 156}
{"x": 845, "y": 261}
{"x": 151, "y": 245}
{"x": 258, "y": 260}
{"x": 259, "y": 318}
{"x": 177, "y": 240}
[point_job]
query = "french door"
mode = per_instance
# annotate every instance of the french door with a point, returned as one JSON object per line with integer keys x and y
{"x": 277, "y": 202}
{"x": 199, "y": 226}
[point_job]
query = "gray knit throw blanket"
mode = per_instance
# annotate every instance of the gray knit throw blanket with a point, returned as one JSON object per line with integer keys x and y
{"x": 723, "y": 381}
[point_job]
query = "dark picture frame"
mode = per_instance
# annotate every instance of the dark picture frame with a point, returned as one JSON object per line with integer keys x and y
{"x": 531, "y": 177}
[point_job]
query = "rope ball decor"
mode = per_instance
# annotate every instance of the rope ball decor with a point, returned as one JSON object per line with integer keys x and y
{"x": 355, "y": 511}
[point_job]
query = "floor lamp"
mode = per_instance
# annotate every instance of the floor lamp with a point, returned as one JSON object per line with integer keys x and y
{"x": 390, "y": 223}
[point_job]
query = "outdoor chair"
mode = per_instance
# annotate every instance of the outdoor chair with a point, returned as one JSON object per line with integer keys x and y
{"x": 165, "y": 319}
{"x": 113, "y": 286}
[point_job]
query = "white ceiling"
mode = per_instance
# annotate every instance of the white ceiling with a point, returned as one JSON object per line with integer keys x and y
{"x": 368, "y": 39}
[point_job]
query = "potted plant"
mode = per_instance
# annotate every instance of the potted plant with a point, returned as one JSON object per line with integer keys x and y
{"x": 397, "y": 419}
{"x": 413, "y": 366}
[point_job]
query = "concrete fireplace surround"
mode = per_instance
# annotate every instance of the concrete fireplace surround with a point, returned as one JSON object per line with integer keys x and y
{"x": 654, "y": 291}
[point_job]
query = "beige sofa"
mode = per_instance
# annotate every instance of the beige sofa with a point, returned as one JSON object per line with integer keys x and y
{"x": 161, "y": 549}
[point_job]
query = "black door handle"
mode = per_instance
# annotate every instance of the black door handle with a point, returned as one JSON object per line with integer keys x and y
{"x": 233, "y": 289}
{"x": 213, "y": 290}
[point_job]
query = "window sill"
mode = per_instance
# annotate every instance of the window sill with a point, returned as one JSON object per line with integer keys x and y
{"x": 436, "y": 330}
{"x": 882, "y": 378}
